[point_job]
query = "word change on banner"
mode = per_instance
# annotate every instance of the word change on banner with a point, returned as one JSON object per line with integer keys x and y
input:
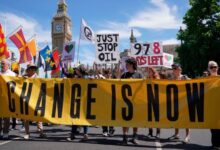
{"x": 107, "y": 48}
{"x": 167, "y": 60}
{"x": 148, "y": 54}
{"x": 68, "y": 53}
{"x": 125, "y": 102}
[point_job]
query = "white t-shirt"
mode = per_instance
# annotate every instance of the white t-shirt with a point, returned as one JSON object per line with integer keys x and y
{"x": 9, "y": 73}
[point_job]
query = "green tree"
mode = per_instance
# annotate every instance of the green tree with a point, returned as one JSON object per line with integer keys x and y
{"x": 201, "y": 38}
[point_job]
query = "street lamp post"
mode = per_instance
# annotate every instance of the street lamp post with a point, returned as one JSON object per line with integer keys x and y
{"x": 180, "y": 31}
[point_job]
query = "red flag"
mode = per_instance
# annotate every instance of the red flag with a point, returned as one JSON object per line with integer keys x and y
{"x": 18, "y": 39}
{"x": 56, "y": 60}
{"x": 4, "y": 53}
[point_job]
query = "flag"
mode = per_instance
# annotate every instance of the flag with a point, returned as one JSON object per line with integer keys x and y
{"x": 86, "y": 32}
{"x": 4, "y": 53}
{"x": 56, "y": 60}
{"x": 33, "y": 48}
{"x": 39, "y": 61}
{"x": 18, "y": 39}
{"x": 15, "y": 66}
{"x": 46, "y": 54}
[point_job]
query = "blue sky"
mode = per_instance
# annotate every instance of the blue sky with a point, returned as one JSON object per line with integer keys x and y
{"x": 152, "y": 20}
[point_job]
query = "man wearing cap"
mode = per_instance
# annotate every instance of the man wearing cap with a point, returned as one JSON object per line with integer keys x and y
{"x": 177, "y": 75}
{"x": 31, "y": 73}
{"x": 79, "y": 72}
{"x": 5, "y": 70}
{"x": 215, "y": 133}
{"x": 131, "y": 66}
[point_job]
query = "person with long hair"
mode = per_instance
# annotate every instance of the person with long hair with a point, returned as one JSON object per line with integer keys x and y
{"x": 153, "y": 74}
{"x": 215, "y": 133}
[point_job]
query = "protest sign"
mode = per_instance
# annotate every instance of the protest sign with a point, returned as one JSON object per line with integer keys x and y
{"x": 107, "y": 48}
{"x": 68, "y": 53}
{"x": 148, "y": 54}
{"x": 167, "y": 60}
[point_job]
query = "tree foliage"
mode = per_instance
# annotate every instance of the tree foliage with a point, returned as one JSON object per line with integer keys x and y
{"x": 201, "y": 37}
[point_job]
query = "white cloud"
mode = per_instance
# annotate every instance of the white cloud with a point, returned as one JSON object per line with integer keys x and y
{"x": 170, "y": 41}
{"x": 122, "y": 28}
{"x": 30, "y": 27}
{"x": 86, "y": 56}
{"x": 161, "y": 16}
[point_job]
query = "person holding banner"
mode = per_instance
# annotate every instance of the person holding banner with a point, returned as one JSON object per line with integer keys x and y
{"x": 107, "y": 130}
{"x": 131, "y": 66}
{"x": 215, "y": 133}
{"x": 5, "y": 64}
{"x": 79, "y": 72}
{"x": 153, "y": 74}
{"x": 177, "y": 75}
{"x": 31, "y": 73}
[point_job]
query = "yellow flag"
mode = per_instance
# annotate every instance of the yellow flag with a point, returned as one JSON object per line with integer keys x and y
{"x": 15, "y": 66}
{"x": 32, "y": 46}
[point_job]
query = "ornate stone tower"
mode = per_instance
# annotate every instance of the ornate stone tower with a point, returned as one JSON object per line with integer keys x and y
{"x": 132, "y": 38}
{"x": 61, "y": 30}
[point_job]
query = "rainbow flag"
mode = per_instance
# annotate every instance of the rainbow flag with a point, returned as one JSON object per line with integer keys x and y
{"x": 4, "y": 53}
{"x": 18, "y": 39}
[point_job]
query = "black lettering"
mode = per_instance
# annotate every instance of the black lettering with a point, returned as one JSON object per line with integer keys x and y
{"x": 41, "y": 102}
{"x": 101, "y": 56}
{"x": 195, "y": 98}
{"x": 24, "y": 100}
{"x": 11, "y": 89}
{"x": 75, "y": 102}
{"x": 58, "y": 100}
{"x": 107, "y": 57}
{"x": 100, "y": 47}
{"x": 90, "y": 100}
{"x": 112, "y": 56}
{"x": 153, "y": 102}
{"x": 126, "y": 91}
{"x": 172, "y": 90}
{"x": 113, "y": 102}
{"x": 98, "y": 38}
{"x": 110, "y": 38}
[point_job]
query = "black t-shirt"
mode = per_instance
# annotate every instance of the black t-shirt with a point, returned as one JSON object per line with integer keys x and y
{"x": 134, "y": 75}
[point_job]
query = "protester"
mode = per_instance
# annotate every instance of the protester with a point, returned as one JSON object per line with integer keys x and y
{"x": 31, "y": 73}
{"x": 79, "y": 72}
{"x": 131, "y": 66}
{"x": 153, "y": 74}
{"x": 177, "y": 75}
{"x": 215, "y": 133}
{"x": 107, "y": 130}
{"x": 205, "y": 73}
{"x": 5, "y": 70}
{"x": 14, "y": 120}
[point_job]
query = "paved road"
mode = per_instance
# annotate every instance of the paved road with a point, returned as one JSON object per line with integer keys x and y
{"x": 56, "y": 140}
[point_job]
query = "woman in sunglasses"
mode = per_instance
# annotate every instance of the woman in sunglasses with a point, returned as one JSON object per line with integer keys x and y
{"x": 213, "y": 70}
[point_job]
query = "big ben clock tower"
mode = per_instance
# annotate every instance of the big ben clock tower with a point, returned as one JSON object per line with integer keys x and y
{"x": 61, "y": 30}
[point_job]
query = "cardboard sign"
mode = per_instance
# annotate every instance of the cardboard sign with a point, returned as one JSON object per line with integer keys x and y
{"x": 167, "y": 60}
{"x": 148, "y": 54}
{"x": 107, "y": 48}
{"x": 68, "y": 52}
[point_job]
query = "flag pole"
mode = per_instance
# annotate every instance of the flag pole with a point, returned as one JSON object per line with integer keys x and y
{"x": 14, "y": 31}
{"x": 79, "y": 42}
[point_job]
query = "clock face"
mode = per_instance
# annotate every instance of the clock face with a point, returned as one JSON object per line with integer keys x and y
{"x": 58, "y": 27}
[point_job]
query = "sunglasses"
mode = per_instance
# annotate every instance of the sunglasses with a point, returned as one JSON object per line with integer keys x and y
{"x": 213, "y": 67}
{"x": 174, "y": 68}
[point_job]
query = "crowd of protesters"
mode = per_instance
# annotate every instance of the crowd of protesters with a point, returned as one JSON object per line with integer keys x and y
{"x": 132, "y": 72}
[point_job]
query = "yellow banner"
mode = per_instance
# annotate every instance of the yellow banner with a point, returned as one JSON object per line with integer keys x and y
{"x": 130, "y": 103}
